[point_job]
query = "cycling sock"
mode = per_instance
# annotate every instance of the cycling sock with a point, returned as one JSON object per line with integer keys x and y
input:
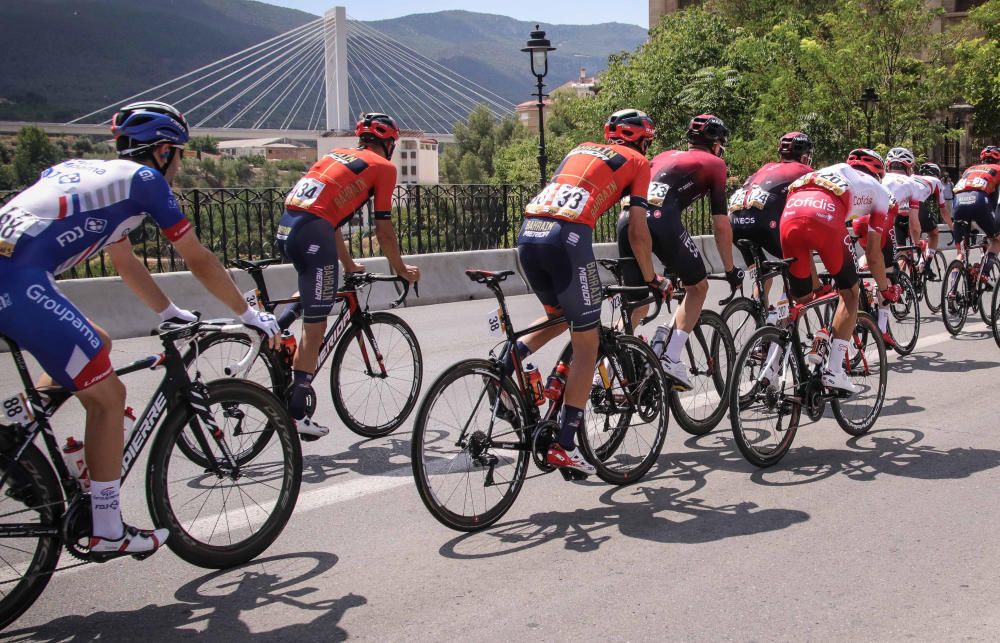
{"x": 507, "y": 363}
{"x": 570, "y": 420}
{"x": 106, "y": 510}
{"x": 883, "y": 318}
{"x": 291, "y": 313}
{"x": 838, "y": 352}
{"x": 677, "y": 340}
{"x": 297, "y": 397}
{"x": 991, "y": 258}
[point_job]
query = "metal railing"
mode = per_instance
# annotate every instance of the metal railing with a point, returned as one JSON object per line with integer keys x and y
{"x": 241, "y": 223}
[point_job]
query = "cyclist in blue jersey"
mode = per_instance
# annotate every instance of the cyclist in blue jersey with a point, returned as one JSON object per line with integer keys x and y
{"x": 75, "y": 210}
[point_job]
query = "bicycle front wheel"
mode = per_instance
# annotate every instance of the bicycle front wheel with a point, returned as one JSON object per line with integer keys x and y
{"x": 955, "y": 297}
{"x": 710, "y": 354}
{"x": 376, "y": 375}
{"x": 31, "y": 499}
{"x": 225, "y": 514}
{"x": 626, "y": 416}
{"x": 742, "y": 317}
{"x": 470, "y": 448}
{"x": 867, "y": 366}
{"x": 985, "y": 292}
{"x": 932, "y": 282}
{"x": 904, "y": 322}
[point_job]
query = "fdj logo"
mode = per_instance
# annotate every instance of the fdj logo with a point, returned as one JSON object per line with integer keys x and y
{"x": 71, "y": 235}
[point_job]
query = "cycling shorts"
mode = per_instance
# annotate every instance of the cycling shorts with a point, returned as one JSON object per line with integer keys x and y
{"x": 802, "y": 235}
{"x": 928, "y": 220}
{"x": 860, "y": 227}
{"x": 309, "y": 242}
{"x": 758, "y": 227}
{"x": 975, "y": 207}
{"x": 672, "y": 245}
{"x": 559, "y": 264}
{"x": 901, "y": 228}
{"x": 37, "y": 316}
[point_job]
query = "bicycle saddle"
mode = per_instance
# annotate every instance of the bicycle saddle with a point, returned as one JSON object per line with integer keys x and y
{"x": 260, "y": 264}
{"x": 484, "y": 276}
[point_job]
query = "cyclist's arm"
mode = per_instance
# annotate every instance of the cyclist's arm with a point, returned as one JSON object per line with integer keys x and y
{"x": 878, "y": 224}
{"x": 136, "y": 276}
{"x": 387, "y": 240}
{"x": 204, "y": 265}
{"x": 946, "y": 213}
{"x": 344, "y": 253}
{"x": 721, "y": 226}
{"x": 641, "y": 242}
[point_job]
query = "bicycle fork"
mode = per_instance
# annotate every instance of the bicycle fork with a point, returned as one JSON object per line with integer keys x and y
{"x": 197, "y": 398}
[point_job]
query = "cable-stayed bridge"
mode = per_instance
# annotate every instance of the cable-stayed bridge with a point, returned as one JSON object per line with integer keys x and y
{"x": 311, "y": 79}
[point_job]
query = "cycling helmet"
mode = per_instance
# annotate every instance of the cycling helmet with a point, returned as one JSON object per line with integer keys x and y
{"x": 376, "y": 126}
{"x": 867, "y": 161}
{"x": 930, "y": 169}
{"x": 990, "y": 153}
{"x": 706, "y": 129}
{"x": 139, "y": 126}
{"x": 900, "y": 157}
{"x": 630, "y": 126}
{"x": 793, "y": 145}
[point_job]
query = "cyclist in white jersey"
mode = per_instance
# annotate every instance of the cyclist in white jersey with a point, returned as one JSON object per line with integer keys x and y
{"x": 929, "y": 177}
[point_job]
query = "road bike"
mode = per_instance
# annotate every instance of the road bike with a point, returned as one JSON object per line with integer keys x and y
{"x": 709, "y": 354}
{"x": 222, "y": 509}
{"x": 927, "y": 282}
{"x": 477, "y": 428}
{"x": 377, "y": 367}
{"x": 965, "y": 286}
{"x": 742, "y": 314}
{"x": 772, "y": 383}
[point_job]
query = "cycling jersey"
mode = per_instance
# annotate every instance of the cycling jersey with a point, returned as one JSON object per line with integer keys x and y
{"x": 685, "y": 176}
{"x": 982, "y": 178}
{"x": 80, "y": 206}
{"x": 74, "y": 210}
{"x": 755, "y": 208}
{"x": 590, "y": 180}
{"x": 338, "y": 184}
{"x": 976, "y": 196}
{"x": 907, "y": 191}
{"x": 934, "y": 192}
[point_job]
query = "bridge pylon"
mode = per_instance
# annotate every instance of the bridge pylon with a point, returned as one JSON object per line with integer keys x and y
{"x": 338, "y": 109}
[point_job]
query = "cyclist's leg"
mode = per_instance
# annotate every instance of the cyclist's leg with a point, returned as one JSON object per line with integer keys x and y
{"x": 631, "y": 274}
{"x": 987, "y": 222}
{"x": 967, "y": 206}
{"x": 835, "y": 256}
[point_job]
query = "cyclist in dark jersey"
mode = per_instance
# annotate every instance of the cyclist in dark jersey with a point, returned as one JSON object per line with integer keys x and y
{"x": 555, "y": 247}
{"x": 678, "y": 179}
{"x": 976, "y": 196}
{"x": 755, "y": 209}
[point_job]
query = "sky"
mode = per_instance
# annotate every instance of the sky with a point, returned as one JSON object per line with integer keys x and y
{"x": 574, "y": 12}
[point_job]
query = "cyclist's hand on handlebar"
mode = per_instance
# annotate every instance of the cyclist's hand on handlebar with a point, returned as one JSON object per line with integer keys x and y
{"x": 263, "y": 322}
{"x": 355, "y": 268}
{"x": 734, "y": 277}
{"x": 176, "y": 315}
{"x": 662, "y": 286}
{"x": 892, "y": 293}
{"x": 410, "y": 273}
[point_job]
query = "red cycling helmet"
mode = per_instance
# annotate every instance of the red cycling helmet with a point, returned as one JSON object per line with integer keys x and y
{"x": 868, "y": 161}
{"x": 377, "y": 125}
{"x": 990, "y": 153}
{"x": 631, "y": 126}
{"x": 793, "y": 145}
{"x": 706, "y": 129}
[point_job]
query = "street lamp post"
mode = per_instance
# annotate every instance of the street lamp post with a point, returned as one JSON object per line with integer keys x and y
{"x": 869, "y": 98}
{"x": 959, "y": 110}
{"x": 538, "y": 48}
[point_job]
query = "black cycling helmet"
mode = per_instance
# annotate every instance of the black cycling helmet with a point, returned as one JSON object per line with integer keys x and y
{"x": 930, "y": 169}
{"x": 793, "y": 145}
{"x": 706, "y": 129}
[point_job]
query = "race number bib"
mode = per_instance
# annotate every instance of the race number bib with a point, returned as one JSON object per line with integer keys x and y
{"x": 973, "y": 183}
{"x": 17, "y": 410}
{"x": 830, "y": 181}
{"x": 251, "y": 298}
{"x": 494, "y": 324}
{"x": 305, "y": 193}
{"x": 560, "y": 199}
{"x": 657, "y": 193}
{"x": 736, "y": 201}
{"x": 781, "y": 308}
{"x": 13, "y": 223}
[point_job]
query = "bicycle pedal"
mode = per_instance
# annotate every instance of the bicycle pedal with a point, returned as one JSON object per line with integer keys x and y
{"x": 572, "y": 475}
{"x": 308, "y": 438}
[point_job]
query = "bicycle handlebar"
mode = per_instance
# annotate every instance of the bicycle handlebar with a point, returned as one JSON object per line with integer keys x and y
{"x": 652, "y": 296}
{"x": 355, "y": 279}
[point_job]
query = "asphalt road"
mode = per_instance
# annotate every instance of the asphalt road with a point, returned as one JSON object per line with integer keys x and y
{"x": 888, "y": 536}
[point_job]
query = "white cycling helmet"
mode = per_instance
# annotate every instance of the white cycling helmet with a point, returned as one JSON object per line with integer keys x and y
{"x": 900, "y": 158}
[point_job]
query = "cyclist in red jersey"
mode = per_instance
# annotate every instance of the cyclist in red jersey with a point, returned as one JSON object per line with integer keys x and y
{"x": 333, "y": 189}
{"x": 555, "y": 247}
{"x": 678, "y": 179}
{"x": 976, "y": 195}
{"x": 755, "y": 209}
{"x": 818, "y": 206}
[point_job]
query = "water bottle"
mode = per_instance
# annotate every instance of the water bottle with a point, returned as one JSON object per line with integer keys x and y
{"x": 288, "y": 346}
{"x": 659, "y": 343}
{"x": 534, "y": 384}
{"x": 772, "y": 316}
{"x": 557, "y": 381}
{"x": 72, "y": 453}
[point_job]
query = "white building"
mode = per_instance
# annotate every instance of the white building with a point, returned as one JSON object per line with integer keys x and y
{"x": 415, "y": 158}
{"x": 272, "y": 149}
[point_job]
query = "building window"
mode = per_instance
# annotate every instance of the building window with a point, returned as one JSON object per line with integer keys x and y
{"x": 409, "y": 145}
{"x": 404, "y": 170}
{"x": 413, "y": 170}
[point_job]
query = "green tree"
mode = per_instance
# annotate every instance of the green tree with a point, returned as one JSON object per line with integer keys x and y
{"x": 33, "y": 153}
{"x": 470, "y": 158}
{"x": 204, "y": 144}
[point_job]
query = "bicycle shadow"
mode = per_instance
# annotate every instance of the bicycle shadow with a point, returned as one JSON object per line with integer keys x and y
{"x": 214, "y": 605}
{"x": 937, "y": 362}
{"x": 387, "y": 456}
{"x": 665, "y": 515}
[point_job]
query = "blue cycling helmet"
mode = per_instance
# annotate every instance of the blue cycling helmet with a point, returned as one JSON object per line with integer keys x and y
{"x": 148, "y": 123}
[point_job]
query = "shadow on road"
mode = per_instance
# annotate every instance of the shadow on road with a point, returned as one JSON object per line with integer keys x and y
{"x": 273, "y": 589}
{"x": 386, "y": 456}
{"x": 935, "y": 361}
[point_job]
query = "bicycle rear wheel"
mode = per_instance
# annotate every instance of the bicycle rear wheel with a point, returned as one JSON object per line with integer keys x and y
{"x": 765, "y": 415}
{"x": 626, "y": 417}
{"x": 376, "y": 375}
{"x": 221, "y": 515}
{"x": 985, "y": 293}
{"x": 904, "y": 317}
{"x": 470, "y": 446}
{"x": 31, "y": 498}
{"x": 955, "y": 297}
{"x": 933, "y": 280}
{"x": 742, "y": 317}
{"x": 710, "y": 355}
{"x": 866, "y": 363}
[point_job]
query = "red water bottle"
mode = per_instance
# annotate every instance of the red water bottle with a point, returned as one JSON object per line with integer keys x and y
{"x": 557, "y": 381}
{"x": 72, "y": 453}
{"x": 534, "y": 382}
{"x": 289, "y": 346}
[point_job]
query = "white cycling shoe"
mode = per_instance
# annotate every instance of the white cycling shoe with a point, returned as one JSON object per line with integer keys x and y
{"x": 138, "y": 543}
{"x": 840, "y": 381}
{"x": 678, "y": 372}
{"x": 309, "y": 430}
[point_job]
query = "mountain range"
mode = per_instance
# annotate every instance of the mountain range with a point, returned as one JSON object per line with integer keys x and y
{"x": 63, "y": 58}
